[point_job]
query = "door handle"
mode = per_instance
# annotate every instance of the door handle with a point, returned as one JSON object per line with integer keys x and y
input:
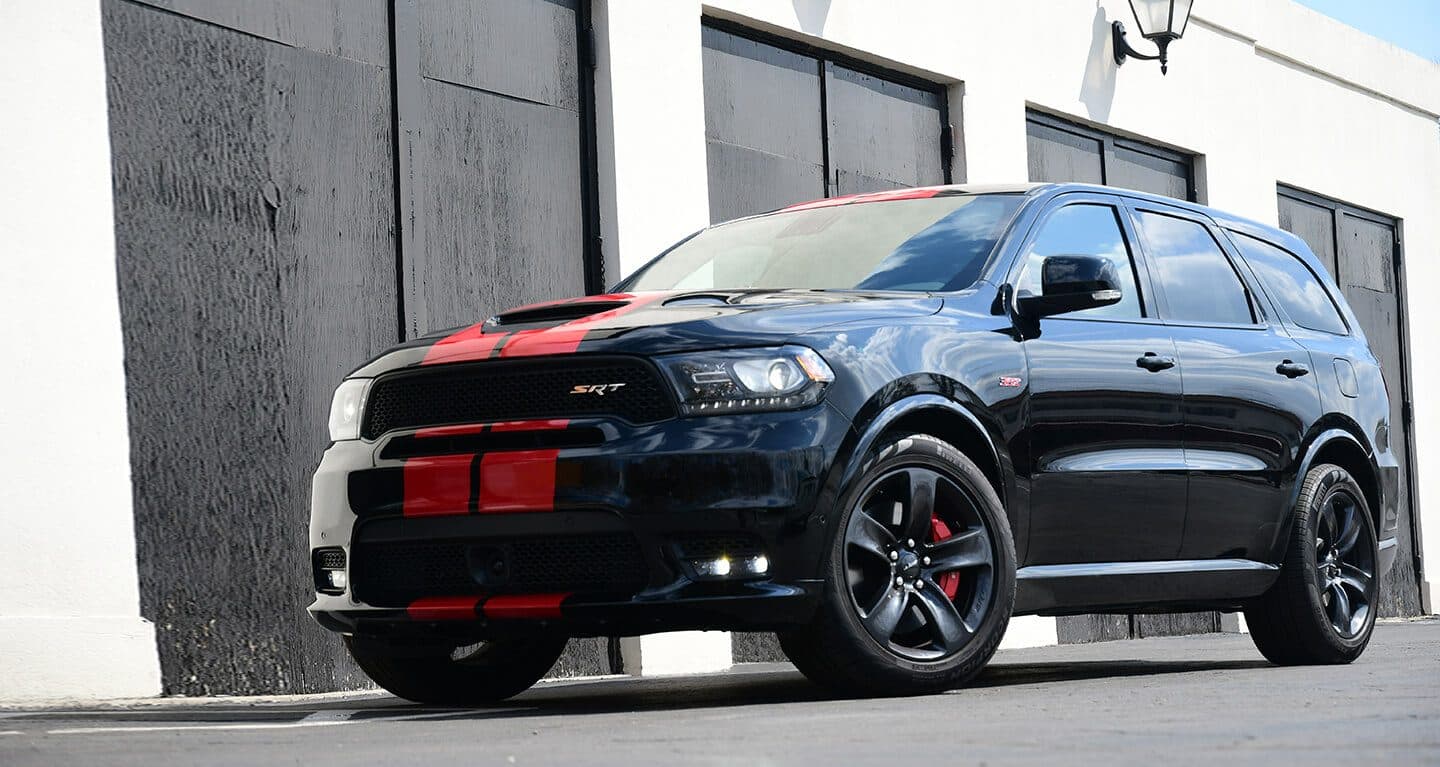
{"x": 1291, "y": 369}
{"x": 1154, "y": 362}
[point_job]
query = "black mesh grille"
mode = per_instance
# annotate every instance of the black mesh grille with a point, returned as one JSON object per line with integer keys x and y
{"x": 711, "y": 545}
{"x": 395, "y": 574}
{"x": 330, "y": 559}
{"x": 506, "y": 390}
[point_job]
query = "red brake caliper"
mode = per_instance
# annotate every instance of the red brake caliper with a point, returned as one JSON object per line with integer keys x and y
{"x": 948, "y": 582}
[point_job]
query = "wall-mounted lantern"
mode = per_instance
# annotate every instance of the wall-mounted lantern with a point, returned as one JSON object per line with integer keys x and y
{"x": 1160, "y": 21}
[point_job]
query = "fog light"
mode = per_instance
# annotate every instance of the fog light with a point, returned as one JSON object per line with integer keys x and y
{"x": 731, "y": 567}
{"x": 719, "y": 567}
{"x": 330, "y": 574}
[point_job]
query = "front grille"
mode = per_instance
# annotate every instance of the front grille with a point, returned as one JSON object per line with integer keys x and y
{"x": 393, "y": 574}
{"x": 515, "y": 390}
{"x": 712, "y": 545}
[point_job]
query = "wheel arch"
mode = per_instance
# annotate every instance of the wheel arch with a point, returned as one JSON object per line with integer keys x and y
{"x": 941, "y": 417}
{"x": 1341, "y": 447}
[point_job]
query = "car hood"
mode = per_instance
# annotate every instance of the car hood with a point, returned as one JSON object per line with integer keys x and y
{"x": 653, "y": 322}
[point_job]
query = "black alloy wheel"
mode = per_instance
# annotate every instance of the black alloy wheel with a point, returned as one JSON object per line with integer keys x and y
{"x": 918, "y": 562}
{"x": 1344, "y": 563}
{"x": 1322, "y": 607}
{"x": 919, "y": 576}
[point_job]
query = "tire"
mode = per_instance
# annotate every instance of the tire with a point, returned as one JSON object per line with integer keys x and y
{"x": 1298, "y": 621}
{"x": 851, "y": 646}
{"x": 472, "y": 675}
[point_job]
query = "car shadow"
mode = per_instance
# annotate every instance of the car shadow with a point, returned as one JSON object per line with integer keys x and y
{"x": 766, "y": 684}
{"x": 777, "y": 685}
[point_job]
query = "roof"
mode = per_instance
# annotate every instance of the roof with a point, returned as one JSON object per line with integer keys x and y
{"x": 1048, "y": 190}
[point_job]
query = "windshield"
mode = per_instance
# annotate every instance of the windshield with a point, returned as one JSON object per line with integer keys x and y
{"x": 935, "y": 243}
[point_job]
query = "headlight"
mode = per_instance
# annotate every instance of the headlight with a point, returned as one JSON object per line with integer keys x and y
{"x": 748, "y": 380}
{"x": 347, "y": 408}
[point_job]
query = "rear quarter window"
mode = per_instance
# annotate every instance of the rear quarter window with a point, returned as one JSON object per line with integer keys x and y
{"x": 1291, "y": 284}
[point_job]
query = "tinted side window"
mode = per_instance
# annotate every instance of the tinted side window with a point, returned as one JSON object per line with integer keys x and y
{"x": 1091, "y": 230}
{"x": 1199, "y": 282}
{"x": 1291, "y": 283}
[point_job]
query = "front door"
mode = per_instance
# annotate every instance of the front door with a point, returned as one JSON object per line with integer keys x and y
{"x": 1249, "y": 388}
{"x": 1106, "y": 464}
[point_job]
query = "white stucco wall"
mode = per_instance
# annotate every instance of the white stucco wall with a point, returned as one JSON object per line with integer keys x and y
{"x": 69, "y": 601}
{"x": 1266, "y": 91}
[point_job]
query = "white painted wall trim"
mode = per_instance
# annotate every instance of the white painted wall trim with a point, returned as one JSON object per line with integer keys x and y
{"x": 678, "y": 652}
{"x": 70, "y": 625}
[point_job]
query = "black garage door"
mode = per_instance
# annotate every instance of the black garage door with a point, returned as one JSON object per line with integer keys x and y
{"x": 1062, "y": 151}
{"x": 266, "y": 244}
{"x": 490, "y": 112}
{"x": 1361, "y": 249}
{"x": 785, "y": 124}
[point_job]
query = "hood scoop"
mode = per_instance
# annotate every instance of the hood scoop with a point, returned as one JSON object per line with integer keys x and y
{"x": 553, "y": 314}
{"x": 699, "y": 299}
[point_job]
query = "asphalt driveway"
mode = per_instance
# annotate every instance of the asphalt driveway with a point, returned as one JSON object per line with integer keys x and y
{"x": 1209, "y": 699}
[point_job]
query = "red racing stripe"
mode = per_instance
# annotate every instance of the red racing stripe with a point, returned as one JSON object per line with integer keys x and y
{"x": 472, "y": 343}
{"x": 524, "y": 606}
{"x": 919, "y": 193}
{"x": 464, "y": 429}
{"x": 827, "y": 202}
{"x": 458, "y": 430}
{"x": 444, "y": 609}
{"x": 436, "y": 485}
{"x": 517, "y": 480}
{"x": 566, "y": 338}
{"x": 548, "y": 424}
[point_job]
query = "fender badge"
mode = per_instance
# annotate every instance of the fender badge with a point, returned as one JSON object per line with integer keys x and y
{"x": 1010, "y": 381}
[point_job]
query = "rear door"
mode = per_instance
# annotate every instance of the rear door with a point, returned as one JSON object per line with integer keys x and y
{"x": 1249, "y": 392}
{"x": 1107, "y": 468}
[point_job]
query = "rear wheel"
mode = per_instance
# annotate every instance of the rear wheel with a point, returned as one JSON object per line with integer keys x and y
{"x": 920, "y": 579}
{"x": 1322, "y": 607}
{"x": 444, "y": 674}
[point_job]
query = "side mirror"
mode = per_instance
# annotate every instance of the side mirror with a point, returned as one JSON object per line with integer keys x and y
{"x": 1070, "y": 284}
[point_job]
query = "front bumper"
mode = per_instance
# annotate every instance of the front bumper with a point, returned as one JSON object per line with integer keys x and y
{"x": 757, "y": 477}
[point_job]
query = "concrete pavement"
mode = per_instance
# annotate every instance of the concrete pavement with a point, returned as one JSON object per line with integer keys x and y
{"x": 1178, "y": 700}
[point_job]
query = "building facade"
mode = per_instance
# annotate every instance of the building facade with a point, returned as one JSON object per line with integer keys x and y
{"x": 213, "y": 209}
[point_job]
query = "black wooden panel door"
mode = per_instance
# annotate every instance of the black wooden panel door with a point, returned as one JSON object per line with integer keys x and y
{"x": 764, "y": 139}
{"x": 1361, "y": 248}
{"x": 1061, "y": 151}
{"x": 881, "y": 134}
{"x": 252, "y": 164}
{"x": 490, "y": 95}
{"x": 260, "y": 257}
{"x": 785, "y": 123}
{"x": 1059, "y": 155}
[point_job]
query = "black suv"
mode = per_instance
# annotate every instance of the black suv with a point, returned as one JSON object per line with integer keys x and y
{"x": 878, "y": 425}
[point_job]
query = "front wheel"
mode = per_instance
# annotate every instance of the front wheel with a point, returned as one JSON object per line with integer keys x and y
{"x": 457, "y": 676}
{"x": 920, "y": 579}
{"x": 1322, "y": 607}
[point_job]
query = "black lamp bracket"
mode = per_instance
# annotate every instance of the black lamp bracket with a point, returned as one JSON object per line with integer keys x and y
{"x": 1124, "y": 51}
